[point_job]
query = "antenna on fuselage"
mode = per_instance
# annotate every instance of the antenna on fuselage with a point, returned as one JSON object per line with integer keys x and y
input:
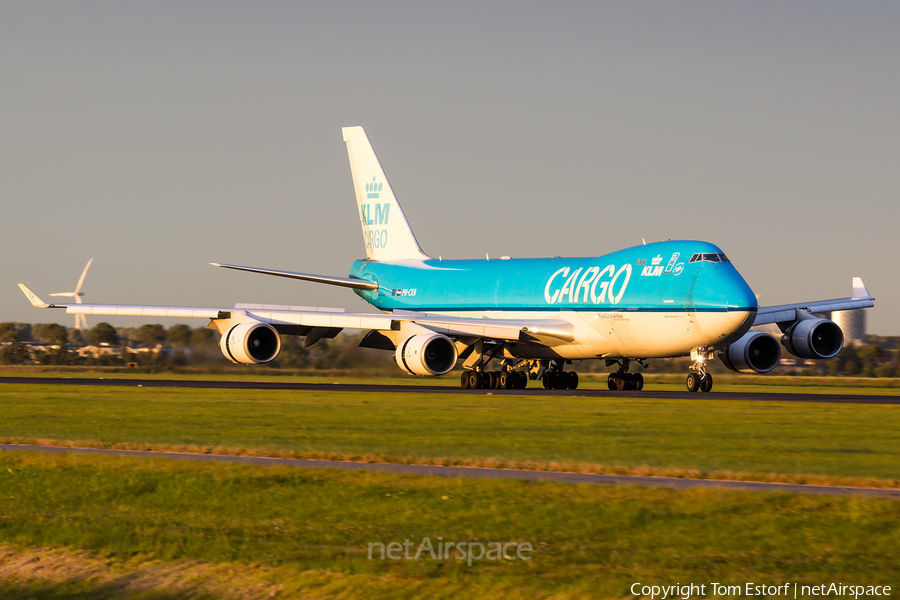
{"x": 645, "y": 241}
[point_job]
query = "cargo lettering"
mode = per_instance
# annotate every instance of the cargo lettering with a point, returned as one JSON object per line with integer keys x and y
{"x": 606, "y": 285}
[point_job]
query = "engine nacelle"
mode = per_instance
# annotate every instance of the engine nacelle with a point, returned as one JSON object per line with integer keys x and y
{"x": 813, "y": 338}
{"x": 426, "y": 354}
{"x": 756, "y": 352}
{"x": 250, "y": 343}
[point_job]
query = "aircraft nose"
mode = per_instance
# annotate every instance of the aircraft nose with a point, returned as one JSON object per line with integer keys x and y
{"x": 730, "y": 303}
{"x": 740, "y": 303}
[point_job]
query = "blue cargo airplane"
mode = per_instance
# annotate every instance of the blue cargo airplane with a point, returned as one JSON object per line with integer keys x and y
{"x": 511, "y": 320}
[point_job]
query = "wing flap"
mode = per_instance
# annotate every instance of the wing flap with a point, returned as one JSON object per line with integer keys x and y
{"x": 506, "y": 329}
{"x": 145, "y": 311}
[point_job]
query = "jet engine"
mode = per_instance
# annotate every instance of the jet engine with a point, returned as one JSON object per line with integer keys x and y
{"x": 426, "y": 354}
{"x": 813, "y": 338}
{"x": 250, "y": 343}
{"x": 756, "y": 352}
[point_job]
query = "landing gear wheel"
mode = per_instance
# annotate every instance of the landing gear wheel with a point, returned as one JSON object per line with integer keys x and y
{"x": 506, "y": 380}
{"x": 549, "y": 380}
{"x": 490, "y": 380}
{"x": 693, "y": 382}
{"x": 706, "y": 383}
{"x": 621, "y": 382}
{"x": 521, "y": 380}
{"x": 475, "y": 380}
{"x": 611, "y": 382}
{"x": 464, "y": 380}
{"x": 572, "y": 380}
{"x": 638, "y": 382}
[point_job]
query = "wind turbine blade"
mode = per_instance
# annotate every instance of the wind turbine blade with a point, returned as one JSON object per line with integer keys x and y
{"x": 68, "y": 294}
{"x": 83, "y": 273}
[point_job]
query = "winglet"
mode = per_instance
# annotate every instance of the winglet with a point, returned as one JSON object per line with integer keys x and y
{"x": 32, "y": 297}
{"x": 859, "y": 289}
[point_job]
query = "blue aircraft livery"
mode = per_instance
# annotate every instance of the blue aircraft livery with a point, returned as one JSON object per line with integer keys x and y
{"x": 614, "y": 282}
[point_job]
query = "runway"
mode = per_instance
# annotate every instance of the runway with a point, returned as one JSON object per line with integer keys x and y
{"x": 481, "y": 473}
{"x": 534, "y": 390}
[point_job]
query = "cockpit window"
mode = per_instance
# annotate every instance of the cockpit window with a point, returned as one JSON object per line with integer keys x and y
{"x": 709, "y": 257}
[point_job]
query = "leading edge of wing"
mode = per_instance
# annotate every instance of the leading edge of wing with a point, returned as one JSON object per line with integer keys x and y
{"x": 357, "y": 284}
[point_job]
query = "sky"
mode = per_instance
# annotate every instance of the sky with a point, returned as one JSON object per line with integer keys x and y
{"x": 156, "y": 137}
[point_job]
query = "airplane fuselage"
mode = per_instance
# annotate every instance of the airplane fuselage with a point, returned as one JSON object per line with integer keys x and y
{"x": 655, "y": 300}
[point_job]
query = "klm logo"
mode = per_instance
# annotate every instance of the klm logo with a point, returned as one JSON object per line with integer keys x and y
{"x": 377, "y": 217}
{"x": 373, "y": 189}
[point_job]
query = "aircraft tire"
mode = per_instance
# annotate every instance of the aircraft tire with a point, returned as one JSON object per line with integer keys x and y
{"x": 475, "y": 380}
{"x": 621, "y": 382}
{"x": 522, "y": 380}
{"x": 572, "y": 380}
{"x": 505, "y": 380}
{"x": 693, "y": 382}
{"x": 638, "y": 382}
{"x": 548, "y": 380}
{"x": 706, "y": 383}
{"x": 611, "y": 382}
{"x": 464, "y": 380}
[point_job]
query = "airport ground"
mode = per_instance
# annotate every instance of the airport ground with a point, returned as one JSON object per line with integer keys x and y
{"x": 109, "y": 526}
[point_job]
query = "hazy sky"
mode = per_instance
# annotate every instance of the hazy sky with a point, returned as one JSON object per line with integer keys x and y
{"x": 156, "y": 137}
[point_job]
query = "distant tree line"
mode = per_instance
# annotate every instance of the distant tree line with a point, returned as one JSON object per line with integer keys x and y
{"x": 156, "y": 346}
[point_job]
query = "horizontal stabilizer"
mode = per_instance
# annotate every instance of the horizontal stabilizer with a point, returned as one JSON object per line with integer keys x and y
{"x": 357, "y": 284}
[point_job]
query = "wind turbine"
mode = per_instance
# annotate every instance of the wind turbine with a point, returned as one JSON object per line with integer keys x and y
{"x": 80, "y": 321}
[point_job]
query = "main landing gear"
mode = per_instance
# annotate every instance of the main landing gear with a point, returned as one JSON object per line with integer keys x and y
{"x": 560, "y": 380}
{"x": 622, "y": 380}
{"x": 493, "y": 380}
{"x": 700, "y": 380}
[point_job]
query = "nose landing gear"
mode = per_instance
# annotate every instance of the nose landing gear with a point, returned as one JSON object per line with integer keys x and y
{"x": 700, "y": 380}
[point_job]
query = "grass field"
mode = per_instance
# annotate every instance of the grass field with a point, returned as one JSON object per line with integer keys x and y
{"x": 75, "y": 526}
{"x": 239, "y": 531}
{"x": 805, "y": 442}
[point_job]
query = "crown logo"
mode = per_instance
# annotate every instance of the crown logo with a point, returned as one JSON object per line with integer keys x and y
{"x": 372, "y": 189}
{"x": 657, "y": 260}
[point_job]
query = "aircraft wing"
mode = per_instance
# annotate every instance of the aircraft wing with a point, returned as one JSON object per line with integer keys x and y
{"x": 299, "y": 318}
{"x": 788, "y": 312}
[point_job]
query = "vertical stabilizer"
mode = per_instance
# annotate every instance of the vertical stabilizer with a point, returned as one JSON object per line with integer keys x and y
{"x": 386, "y": 232}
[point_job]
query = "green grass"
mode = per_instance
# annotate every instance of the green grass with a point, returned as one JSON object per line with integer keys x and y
{"x": 687, "y": 437}
{"x": 309, "y": 530}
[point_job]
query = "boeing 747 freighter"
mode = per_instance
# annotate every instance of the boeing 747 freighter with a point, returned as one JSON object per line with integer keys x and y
{"x": 518, "y": 319}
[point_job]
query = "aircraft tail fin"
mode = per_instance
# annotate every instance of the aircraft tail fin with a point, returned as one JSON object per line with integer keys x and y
{"x": 386, "y": 232}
